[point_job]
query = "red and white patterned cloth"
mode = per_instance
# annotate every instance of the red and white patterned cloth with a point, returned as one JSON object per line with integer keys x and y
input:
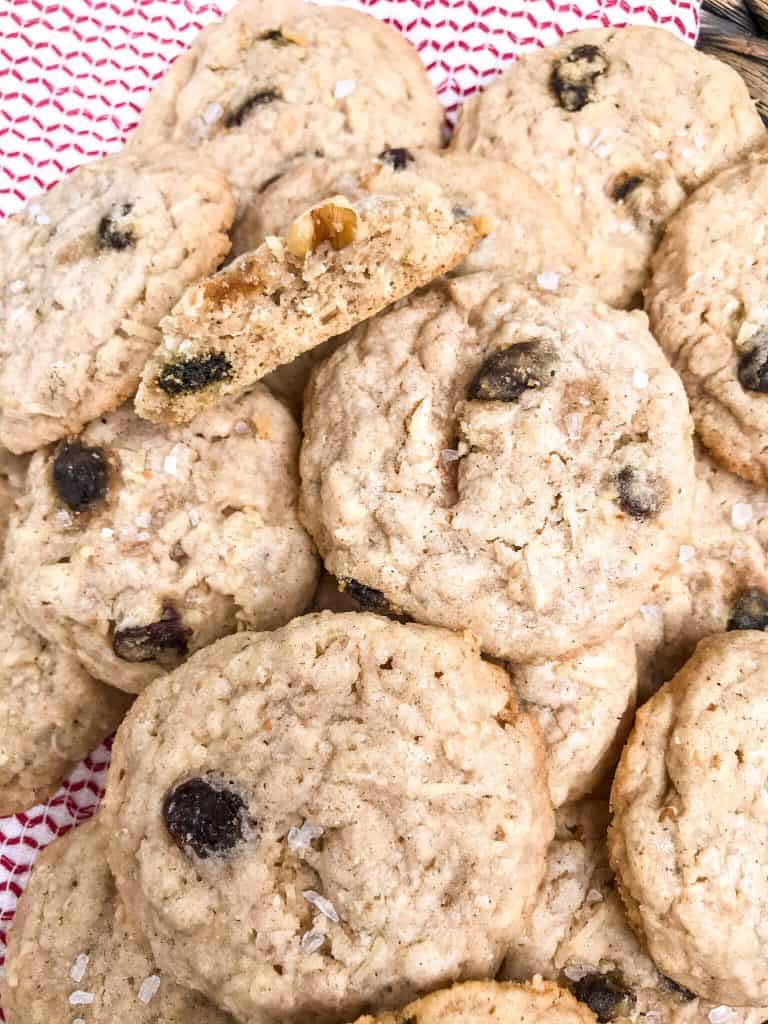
{"x": 74, "y": 75}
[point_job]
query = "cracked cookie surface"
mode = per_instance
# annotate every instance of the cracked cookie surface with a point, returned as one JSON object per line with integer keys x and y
{"x": 87, "y": 271}
{"x": 136, "y": 545}
{"x": 618, "y": 126}
{"x": 528, "y": 475}
{"x": 688, "y": 839}
{"x": 300, "y": 798}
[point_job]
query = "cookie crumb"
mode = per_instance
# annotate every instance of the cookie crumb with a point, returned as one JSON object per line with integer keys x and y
{"x": 148, "y": 989}
{"x": 320, "y": 903}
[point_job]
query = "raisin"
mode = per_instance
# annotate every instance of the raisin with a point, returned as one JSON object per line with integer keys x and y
{"x": 624, "y": 186}
{"x": 113, "y": 234}
{"x": 80, "y": 475}
{"x": 638, "y": 493}
{"x": 259, "y": 99}
{"x": 397, "y": 158}
{"x": 195, "y": 374}
{"x": 150, "y": 642}
{"x": 750, "y": 610}
{"x": 684, "y": 994}
{"x": 753, "y": 365}
{"x": 573, "y": 77}
{"x": 605, "y": 994}
{"x": 207, "y": 817}
{"x": 506, "y": 374}
{"x": 367, "y": 597}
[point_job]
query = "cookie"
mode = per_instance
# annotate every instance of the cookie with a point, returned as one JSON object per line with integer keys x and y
{"x": 339, "y": 263}
{"x": 720, "y": 581}
{"x": 288, "y": 817}
{"x": 52, "y": 713}
{"x": 528, "y": 234}
{"x": 617, "y": 126}
{"x": 474, "y": 1002}
{"x": 87, "y": 271}
{"x": 70, "y": 950}
{"x": 709, "y": 310}
{"x": 277, "y": 79}
{"x": 514, "y": 462}
{"x": 579, "y": 936}
{"x": 136, "y": 545}
{"x": 584, "y": 706}
{"x": 688, "y": 836}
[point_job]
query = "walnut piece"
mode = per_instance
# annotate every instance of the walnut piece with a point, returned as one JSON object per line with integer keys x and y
{"x": 334, "y": 221}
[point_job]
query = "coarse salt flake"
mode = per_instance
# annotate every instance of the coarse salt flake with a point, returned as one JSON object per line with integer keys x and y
{"x": 659, "y": 155}
{"x": 721, "y": 1014}
{"x": 170, "y": 464}
{"x": 79, "y": 967}
{"x": 741, "y": 515}
{"x": 194, "y": 516}
{"x": 685, "y": 554}
{"x": 640, "y": 379}
{"x": 651, "y": 612}
{"x": 312, "y": 941}
{"x": 63, "y": 518}
{"x": 451, "y": 455}
{"x": 626, "y": 227}
{"x": 80, "y": 998}
{"x": 320, "y": 903}
{"x": 603, "y": 150}
{"x": 148, "y": 988}
{"x": 241, "y": 427}
{"x": 302, "y": 838}
{"x": 574, "y": 973}
{"x": 345, "y": 87}
{"x": 78, "y": 1020}
{"x": 106, "y": 533}
{"x": 594, "y": 896}
{"x": 143, "y": 520}
{"x": 699, "y": 141}
{"x": 212, "y": 113}
{"x": 548, "y": 280}
{"x": 573, "y": 424}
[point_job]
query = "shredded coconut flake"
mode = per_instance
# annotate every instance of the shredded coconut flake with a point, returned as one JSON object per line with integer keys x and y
{"x": 741, "y": 515}
{"x": 640, "y": 379}
{"x": 302, "y": 838}
{"x": 685, "y": 554}
{"x": 344, "y": 88}
{"x": 721, "y": 1014}
{"x": 320, "y": 903}
{"x": 548, "y": 280}
{"x": 312, "y": 941}
{"x": 79, "y": 967}
{"x": 450, "y": 455}
{"x": 80, "y": 998}
{"x": 148, "y": 988}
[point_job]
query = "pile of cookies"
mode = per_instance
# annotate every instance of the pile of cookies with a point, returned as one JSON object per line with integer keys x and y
{"x": 355, "y": 457}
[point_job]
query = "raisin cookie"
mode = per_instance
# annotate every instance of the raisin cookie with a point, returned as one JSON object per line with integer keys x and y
{"x": 689, "y": 836}
{"x": 87, "y": 271}
{"x": 280, "y": 78}
{"x": 339, "y": 263}
{"x": 579, "y": 936}
{"x": 584, "y": 706}
{"x": 617, "y": 126}
{"x": 528, "y": 234}
{"x": 516, "y": 462}
{"x": 720, "y": 581}
{"x": 288, "y": 816}
{"x": 708, "y": 305}
{"x": 491, "y": 1002}
{"x": 136, "y": 545}
{"x": 71, "y": 952}
{"x": 52, "y": 713}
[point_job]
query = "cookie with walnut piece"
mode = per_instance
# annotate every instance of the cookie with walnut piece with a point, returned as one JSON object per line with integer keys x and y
{"x": 288, "y": 817}
{"x": 339, "y": 263}
{"x": 135, "y": 545}
{"x": 71, "y": 951}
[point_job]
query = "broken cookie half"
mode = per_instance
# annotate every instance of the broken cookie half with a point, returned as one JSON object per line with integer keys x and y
{"x": 340, "y": 262}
